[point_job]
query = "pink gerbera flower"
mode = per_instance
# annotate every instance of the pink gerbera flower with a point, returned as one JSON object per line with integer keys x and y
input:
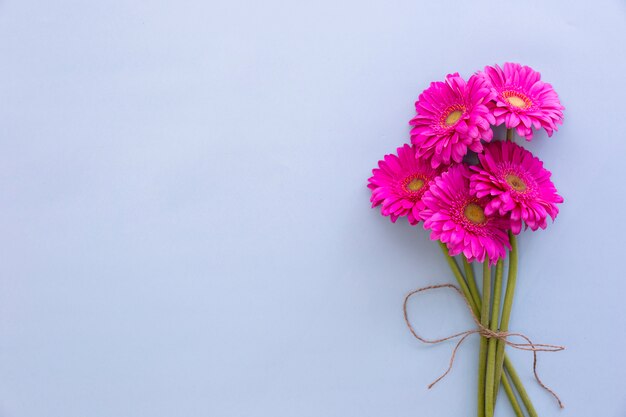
{"x": 523, "y": 100}
{"x": 518, "y": 184}
{"x": 399, "y": 183}
{"x": 452, "y": 116}
{"x": 458, "y": 219}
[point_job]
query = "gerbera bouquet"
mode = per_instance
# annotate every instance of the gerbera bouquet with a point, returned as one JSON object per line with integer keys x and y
{"x": 475, "y": 210}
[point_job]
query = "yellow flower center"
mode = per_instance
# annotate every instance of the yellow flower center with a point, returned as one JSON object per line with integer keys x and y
{"x": 474, "y": 213}
{"x": 516, "y": 101}
{"x": 415, "y": 184}
{"x": 453, "y": 117}
{"x": 516, "y": 182}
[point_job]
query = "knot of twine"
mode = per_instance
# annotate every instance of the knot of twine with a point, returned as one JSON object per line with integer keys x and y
{"x": 484, "y": 332}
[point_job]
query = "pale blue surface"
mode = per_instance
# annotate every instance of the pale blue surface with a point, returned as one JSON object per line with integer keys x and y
{"x": 185, "y": 227}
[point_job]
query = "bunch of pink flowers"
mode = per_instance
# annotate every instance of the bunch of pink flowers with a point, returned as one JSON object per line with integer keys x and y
{"x": 476, "y": 210}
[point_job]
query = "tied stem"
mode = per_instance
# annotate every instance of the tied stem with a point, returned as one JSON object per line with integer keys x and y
{"x": 492, "y": 344}
{"x": 484, "y": 320}
{"x": 476, "y": 307}
{"x": 506, "y": 309}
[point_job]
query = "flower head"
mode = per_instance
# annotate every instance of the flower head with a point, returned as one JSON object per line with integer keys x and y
{"x": 458, "y": 219}
{"x": 518, "y": 184}
{"x": 452, "y": 117}
{"x": 522, "y": 100}
{"x": 399, "y": 183}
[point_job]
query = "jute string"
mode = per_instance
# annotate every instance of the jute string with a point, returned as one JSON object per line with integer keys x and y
{"x": 484, "y": 332}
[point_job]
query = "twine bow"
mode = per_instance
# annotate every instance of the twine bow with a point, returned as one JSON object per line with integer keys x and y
{"x": 484, "y": 332}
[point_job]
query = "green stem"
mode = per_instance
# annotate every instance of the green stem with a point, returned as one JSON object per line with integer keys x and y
{"x": 491, "y": 347}
{"x": 484, "y": 320}
{"x": 509, "y": 135}
{"x": 471, "y": 281}
{"x": 506, "y": 384}
{"x": 476, "y": 308}
{"x": 519, "y": 386}
{"x": 506, "y": 310}
{"x": 459, "y": 278}
{"x": 517, "y": 382}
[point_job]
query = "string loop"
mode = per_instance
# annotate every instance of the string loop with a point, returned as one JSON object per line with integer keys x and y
{"x": 527, "y": 345}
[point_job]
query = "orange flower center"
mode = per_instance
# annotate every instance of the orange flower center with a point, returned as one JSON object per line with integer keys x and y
{"x": 516, "y": 182}
{"x": 474, "y": 213}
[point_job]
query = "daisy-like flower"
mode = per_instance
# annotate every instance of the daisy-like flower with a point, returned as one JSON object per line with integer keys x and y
{"x": 518, "y": 184}
{"x": 399, "y": 183}
{"x": 522, "y": 100}
{"x": 452, "y": 117}
{"x": 458, "y": 218}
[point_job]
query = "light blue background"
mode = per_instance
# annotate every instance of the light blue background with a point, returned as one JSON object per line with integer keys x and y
{"x": 185, "y": 228}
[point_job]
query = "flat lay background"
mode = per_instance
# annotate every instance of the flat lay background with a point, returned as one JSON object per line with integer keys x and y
{"x": 185, "y": 228}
